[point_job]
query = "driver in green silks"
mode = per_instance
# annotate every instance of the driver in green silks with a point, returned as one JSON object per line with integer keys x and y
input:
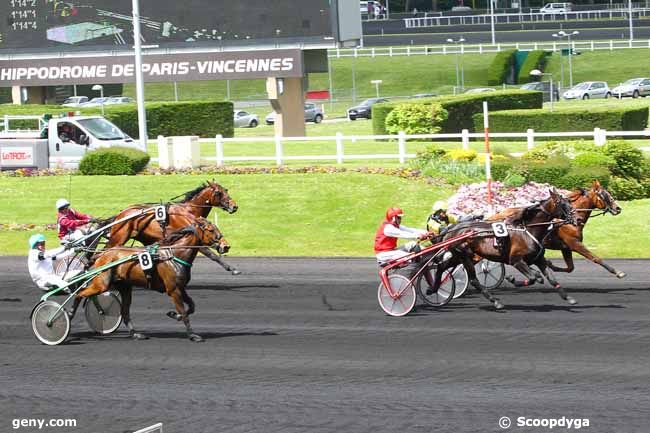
{"x": 440, "y": 220}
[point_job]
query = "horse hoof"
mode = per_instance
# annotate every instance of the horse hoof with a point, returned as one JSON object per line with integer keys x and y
{"x": 174, "y": 315}
{"x": 196, "y": 338}
{"x": 235, "y": 272}
{"x": 621, "y": 274}
{"x": 571, "y": 301}
{"x": 139, "y": 336}
{"x": 498, "y": 305}
{"x": 510, "y": 279}
{"x": 540, "y": 280}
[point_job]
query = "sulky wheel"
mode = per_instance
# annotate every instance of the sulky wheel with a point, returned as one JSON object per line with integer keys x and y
{"x": 70, "y": 266}
{"x": 403, "y": 299}
{"x": 103, "y": 313}
{"x": 490, "y": 275}
{"x": 50, "y": 323}
{"x": 461, "y": 279}
{"x": 445, "y": 292}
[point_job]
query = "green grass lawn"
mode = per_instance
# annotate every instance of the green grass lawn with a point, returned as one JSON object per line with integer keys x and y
{"x": 282, "y": 214}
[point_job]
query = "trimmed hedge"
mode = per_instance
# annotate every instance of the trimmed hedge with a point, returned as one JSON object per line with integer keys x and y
{"x": 500, "y": 67}
{"x": 583, "y": 177}
{"x": 114, "y": 161}
{"x": 461, "y": 108}
{"x": 202, "y": 118}
{"x": 577, "y": 119}
{"x": 535, "y": 60}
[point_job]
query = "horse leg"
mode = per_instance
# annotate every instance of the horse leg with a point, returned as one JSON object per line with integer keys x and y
{"x": 568, "y": 259}
{"x": 177, "y": 299}
{"x": 126, "y": 293}
{"x": 190, "y": 307}
{"x": 468, "y": 264}
{"x": 522, "y": 267}
{"x": 581, "y": 249}
{"x": 206, "y": 251}
{"x": 551, "y": 279}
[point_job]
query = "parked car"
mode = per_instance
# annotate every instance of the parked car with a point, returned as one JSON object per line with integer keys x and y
{"x": 481, "y": 90}
{"x": 364, "y": 110}
{"x": 587, "y": 90}
{"x": 313, "y": 113}
{"x": 544, "y": 87}
{"x": 75, "y": 101}
{"x": 95, "y": 102}
{"x": 244, "y": 119}
{"x": 423, "y": 95}
{"x": 114, "y": 100}
{"x": 635, "y": 87}
{"x": 555, "y": 8}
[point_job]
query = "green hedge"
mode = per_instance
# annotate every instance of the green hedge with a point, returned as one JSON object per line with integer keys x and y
{"x": 567, "y": 119}
{"x": 114, "y": 161}
{"x": 583, "y": 177}
{"x": 202, "y": 118}
{"x": 460, "y": 108}
{"x": 500, "y": 67}
{"x": 535, "y": 60}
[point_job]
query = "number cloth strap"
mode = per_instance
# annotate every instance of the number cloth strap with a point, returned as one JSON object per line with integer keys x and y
{"x": 182, "y": 262}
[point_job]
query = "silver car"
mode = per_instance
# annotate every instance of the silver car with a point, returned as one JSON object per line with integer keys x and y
{"x": 313, "y": 113}
{"x": 588, "y": 90}
{"x": 244, "y": 119}
{"x": 635, "y": 87}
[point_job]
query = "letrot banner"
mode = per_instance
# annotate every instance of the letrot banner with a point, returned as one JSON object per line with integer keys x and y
{"x": 235, "y": 65}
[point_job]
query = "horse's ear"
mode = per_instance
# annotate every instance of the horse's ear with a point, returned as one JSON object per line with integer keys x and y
{"x": 554, "y": 194}
{"x": 596, "y": 184}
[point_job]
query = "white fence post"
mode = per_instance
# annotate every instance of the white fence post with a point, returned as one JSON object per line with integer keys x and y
{"x": 401, "y": 145}
{"x": 219, "y": 145}
{"x": 465, "y": 138}
{"x": 530, "y": 138}
{"x": 600, "y": 137}
{"x": 339, "y": 148}
{"x": 278, "y": 150}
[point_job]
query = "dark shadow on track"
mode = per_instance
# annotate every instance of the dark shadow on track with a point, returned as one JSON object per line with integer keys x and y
{"x": 233, "y": 288}
{"x": 180, "y": 335}
{"x": 547, "y": 308}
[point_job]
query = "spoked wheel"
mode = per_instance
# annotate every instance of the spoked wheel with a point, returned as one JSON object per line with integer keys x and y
{"x": 445, "y": 292}
{"x": 490, "y": 275}
{"x": 404, "y": 296}
{"x": 70, "y": 266}
{"x": 461, "y": 279}
{"x": 50, "y": 327}
{"x": 103, "y": 313}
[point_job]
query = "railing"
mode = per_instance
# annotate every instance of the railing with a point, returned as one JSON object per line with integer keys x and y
{"x": 531, "y": 17}
{"x": 425, "y": 50}
{"x": 6, "y": 120}
{"x": 598, "y": 135}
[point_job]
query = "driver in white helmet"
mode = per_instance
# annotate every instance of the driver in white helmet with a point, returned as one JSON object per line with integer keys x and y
{"x": 69, "y": 221}
{"x": 40, "y": 264}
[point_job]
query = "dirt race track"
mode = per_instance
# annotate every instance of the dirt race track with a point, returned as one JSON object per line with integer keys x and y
{"x": 300, "y": 345}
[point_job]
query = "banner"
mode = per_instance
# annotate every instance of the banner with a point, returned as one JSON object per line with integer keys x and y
{"x": 231, "y": 65}
{"x": 16, "y": 157}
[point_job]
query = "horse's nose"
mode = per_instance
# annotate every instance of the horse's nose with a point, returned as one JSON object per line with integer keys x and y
{"x": 224, "y": 248}
{"x": 233, "y": 208}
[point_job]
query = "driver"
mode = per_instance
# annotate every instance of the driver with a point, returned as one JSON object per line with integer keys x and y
{"x": 67, "y": 134}
{"x": 39, "y": 262}
{"x": 69, "y": 220}
{"x": 389, "y": 231}
{"x": 439, "y": 221}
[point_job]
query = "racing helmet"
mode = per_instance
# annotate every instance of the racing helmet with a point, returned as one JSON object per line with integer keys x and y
{"x": 438, "y": 206}
{"x": 34, "y": 239}
{"x": 393, "y": 212}
{"x": 62, "y": 203}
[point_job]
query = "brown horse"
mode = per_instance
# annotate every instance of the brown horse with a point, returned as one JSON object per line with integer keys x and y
{"x": 144, "y": 227}
{"x": 172, "y": 262}
{"x": 568, "y": 238}
{"x": 521, "y": 248}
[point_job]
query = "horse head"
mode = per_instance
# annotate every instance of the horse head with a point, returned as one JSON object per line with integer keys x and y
{"x": 209, "y": 234}
{"x": 220, "y": 198}
{"x": 602, "y": 199}
{"x": 557, "y": 206}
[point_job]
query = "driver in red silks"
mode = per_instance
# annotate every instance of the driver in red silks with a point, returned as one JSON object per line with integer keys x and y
{"x": 389, "y": 231}
{"x": 69, "y": 220}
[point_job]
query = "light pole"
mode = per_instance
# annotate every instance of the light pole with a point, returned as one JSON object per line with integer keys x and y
{"x": 460, "y": 73}
{"x": 377, "y": 83}
{"x": 492, "y": 21}
{"x": 100, "y": 88}
{"x": 561, "y": 35}
{"x": 538, "y": 73}
{"x": 139, "y": 79}
{"x": 629, "y": 13}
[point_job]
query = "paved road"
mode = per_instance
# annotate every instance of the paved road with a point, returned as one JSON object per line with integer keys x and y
{"x": 300, "y": 345}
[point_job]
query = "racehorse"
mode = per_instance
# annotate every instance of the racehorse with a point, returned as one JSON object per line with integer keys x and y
{"x": 568, "y": 237}
{"x": 521, "y": 248}
{"x": 172, "y": 261}
{"x": 196, "y": 203}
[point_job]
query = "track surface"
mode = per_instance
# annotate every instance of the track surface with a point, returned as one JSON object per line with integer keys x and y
{"x": 300, "y": 345}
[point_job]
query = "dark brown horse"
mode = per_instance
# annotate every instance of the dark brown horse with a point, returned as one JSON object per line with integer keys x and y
{"x": 568, "y": 238}
{"x": 144, "y": 227}
{"x": 521, "y": 247}
{"x": 172, "y": 262}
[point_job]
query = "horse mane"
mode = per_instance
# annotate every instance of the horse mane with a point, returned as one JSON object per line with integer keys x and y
{"x": 189, "y": 195}
{"x": 177, "y": 235}
{"x": 104, "y": 221}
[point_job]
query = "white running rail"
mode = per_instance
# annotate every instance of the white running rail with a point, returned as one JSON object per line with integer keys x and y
{"x": 156, "y": 428}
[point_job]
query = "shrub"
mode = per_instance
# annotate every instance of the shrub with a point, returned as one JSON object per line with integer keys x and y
{"x": 593, "y": 159}
{"x": 114, "y": 161}
{"x": 502, "y": 167}
{"x": 462, "y": 155}
{"x": 626, "y": 189}
{"x": 628, "y": 158}
{"x": 535, "y": 60}
{"x": 453, "y": 172}
{"x": 548, "y": 171}
{"x": 431, "y": 153}
{"x": 416, "y": 118}
{"x": 461, "y": 108}
{"x": 514, "y": 180}
{"x": 567, "y": 119}
{"x": 500, "y": 67}
{"x": 645, "y": 183}
{"x": 583, "y": 177}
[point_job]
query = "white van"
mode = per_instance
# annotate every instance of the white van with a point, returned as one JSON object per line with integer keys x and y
{"x": 555, "y": 8}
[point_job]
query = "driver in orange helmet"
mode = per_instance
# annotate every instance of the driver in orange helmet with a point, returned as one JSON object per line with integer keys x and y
{"x": 392, "y": 229}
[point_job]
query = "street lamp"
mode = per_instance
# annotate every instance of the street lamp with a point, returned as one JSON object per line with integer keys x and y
{"x": 538, "y": 73}
{"x": 460, "y": 75}
{"x": 376, "y": 83}
{"x": 100, "y": 88}
{"x": 561, "y": 35}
